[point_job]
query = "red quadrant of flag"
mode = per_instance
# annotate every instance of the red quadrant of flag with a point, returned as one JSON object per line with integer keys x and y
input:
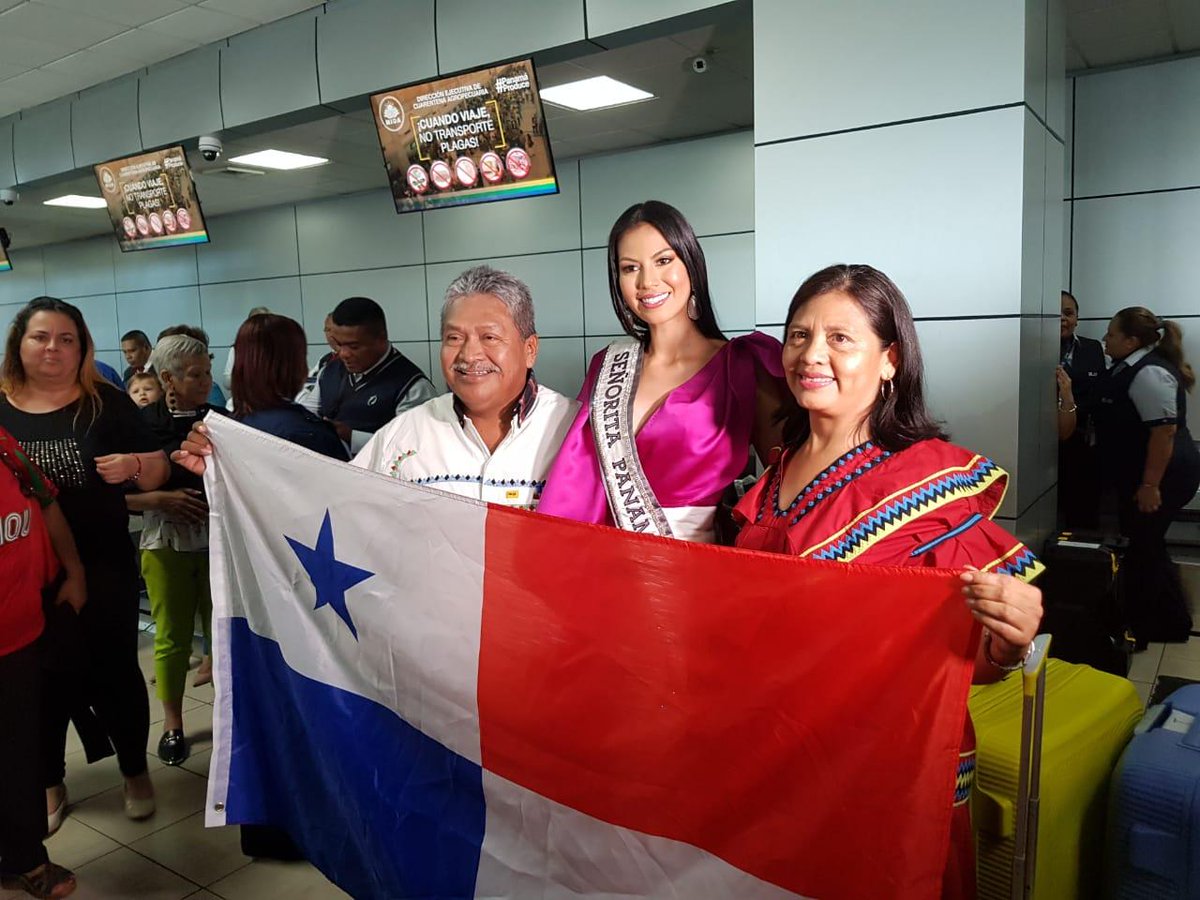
{"x": 800, "y": 720}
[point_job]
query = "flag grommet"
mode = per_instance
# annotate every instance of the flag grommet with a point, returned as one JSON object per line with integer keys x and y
{"x": 219, "y": 807}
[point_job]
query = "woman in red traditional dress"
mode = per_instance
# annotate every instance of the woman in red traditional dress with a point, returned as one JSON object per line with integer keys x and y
{"x": 866, "y": 475}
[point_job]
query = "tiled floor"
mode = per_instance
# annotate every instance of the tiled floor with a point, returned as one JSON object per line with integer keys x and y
{"x": 171, "y": 855}
{"x": 1180, "y": 660}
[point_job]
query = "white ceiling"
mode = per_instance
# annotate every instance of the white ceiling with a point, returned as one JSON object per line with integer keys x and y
{"x": 1100, "y": 33}
{"x": 1113, "y": 32}
{"x": 49, "y": 48}
{"x": 685, "y": 105}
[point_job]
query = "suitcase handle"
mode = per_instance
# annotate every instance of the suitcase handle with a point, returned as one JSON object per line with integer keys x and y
{"x": 1153, "y": 850}
{"x": 1160, "y": 715}
{"x": 1151, "y": 719}
{"x": 993, "y": 814}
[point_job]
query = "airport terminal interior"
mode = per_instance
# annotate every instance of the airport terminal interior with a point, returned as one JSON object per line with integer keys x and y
{"x": 992, "y": 158}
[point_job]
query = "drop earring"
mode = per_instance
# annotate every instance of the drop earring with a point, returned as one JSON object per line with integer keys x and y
{"x": 693, "y": 310}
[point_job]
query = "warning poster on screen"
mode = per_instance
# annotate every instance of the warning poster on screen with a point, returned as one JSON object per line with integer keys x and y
{"x": 469, "y": 138}
{"x": 152, "y": 200}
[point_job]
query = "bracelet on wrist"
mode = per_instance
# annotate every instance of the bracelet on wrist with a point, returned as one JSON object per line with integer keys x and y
{"x": 1074, "y": 406}
{"x": 991, "y": 660}
{"x": 1149, "y": 485}
{"x": 138, "y": 473}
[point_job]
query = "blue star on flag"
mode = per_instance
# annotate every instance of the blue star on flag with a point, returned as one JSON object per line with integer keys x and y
{"x": 330, "y": 577}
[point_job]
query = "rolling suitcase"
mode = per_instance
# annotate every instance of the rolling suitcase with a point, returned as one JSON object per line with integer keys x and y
{"x": 1154, "y": 809}
{"x": 1088, "y": 719}
{"x": 1081, "y": 609}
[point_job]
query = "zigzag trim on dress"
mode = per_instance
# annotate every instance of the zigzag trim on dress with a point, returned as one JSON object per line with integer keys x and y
{"x": 905, "y": 505}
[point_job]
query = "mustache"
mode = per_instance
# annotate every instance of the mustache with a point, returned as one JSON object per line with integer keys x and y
{"x": 478, "y": 369}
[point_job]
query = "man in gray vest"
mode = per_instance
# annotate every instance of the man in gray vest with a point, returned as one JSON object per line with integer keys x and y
{"x": 370, "y": 382}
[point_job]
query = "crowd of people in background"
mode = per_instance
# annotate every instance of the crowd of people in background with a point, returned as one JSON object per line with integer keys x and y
{"x": 836, "y": 413}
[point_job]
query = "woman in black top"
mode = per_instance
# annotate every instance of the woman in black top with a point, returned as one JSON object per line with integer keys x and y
{"x": 89, "y": 439}
{"x": 269, "y": 369}
{"x": 1149, "y": 457}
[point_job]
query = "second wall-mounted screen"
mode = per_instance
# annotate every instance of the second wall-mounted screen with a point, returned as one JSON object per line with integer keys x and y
{"x": 470, "y": 138}
{"x": 152, "y": 200}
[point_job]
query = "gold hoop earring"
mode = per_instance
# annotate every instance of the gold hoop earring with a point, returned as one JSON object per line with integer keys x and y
{"x": 886, "y": 389}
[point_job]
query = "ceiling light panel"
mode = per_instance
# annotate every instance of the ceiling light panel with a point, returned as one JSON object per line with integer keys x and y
{"x": 279, "y": 159}
{"x": 600, "y": 92}
{"x": 77, "y": 201}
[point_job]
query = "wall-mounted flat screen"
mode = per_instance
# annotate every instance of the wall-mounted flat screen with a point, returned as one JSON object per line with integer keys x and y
{"x": 5, "y": 262}
{"x": 470, "y": 138}
{"x": 152, "y": 200}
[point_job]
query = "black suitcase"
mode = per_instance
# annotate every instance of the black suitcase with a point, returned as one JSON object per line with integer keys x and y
{"x": 1082, "y": 609}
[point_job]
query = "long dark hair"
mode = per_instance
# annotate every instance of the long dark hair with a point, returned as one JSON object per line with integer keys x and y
{"x": 12, "y": 375}
{"x": 900, "y": 419}
{"x": 1144, "y": 326}
{"x": 679, "y": 235}
{"x": 269, "y": 363}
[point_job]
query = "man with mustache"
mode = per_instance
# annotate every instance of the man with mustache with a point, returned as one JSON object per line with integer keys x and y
{"x": 494, "y": 435}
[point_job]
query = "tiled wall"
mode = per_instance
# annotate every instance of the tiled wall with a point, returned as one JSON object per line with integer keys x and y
{"x": 1134, "y": 198}
{"x": 301, "y": 260}
{"x": 938, "y": 159}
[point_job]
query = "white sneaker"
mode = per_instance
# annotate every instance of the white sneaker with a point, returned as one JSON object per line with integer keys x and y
{"x": 138, "y": 808}
{"x": 54, "y": 820}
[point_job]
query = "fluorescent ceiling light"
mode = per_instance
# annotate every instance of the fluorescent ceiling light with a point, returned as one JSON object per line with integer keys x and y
{"x": 77, "y": 201}
{"x": 279, "y": 159}
{"x": 593, "y": 93}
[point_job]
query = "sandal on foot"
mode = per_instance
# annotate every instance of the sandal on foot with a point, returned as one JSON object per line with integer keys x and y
{"x": 47, "y": 881}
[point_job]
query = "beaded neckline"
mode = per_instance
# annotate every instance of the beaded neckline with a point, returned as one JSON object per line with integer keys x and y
{"x": 846, "y": 468}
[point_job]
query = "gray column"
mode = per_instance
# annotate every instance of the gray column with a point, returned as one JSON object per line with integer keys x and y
{"x": 926, "y": 138}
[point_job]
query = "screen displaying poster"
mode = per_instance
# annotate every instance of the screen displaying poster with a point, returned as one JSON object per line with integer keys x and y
{"x": 152, "y": 200}
{"x": 470, "y": 138}
{"x": 5, "y": 262}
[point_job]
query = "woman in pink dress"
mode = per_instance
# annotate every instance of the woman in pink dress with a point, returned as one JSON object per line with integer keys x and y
{"x": 669, "y": 414}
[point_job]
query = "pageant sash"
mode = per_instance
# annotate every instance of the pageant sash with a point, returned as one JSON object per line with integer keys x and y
{"x": 633, "y": 504}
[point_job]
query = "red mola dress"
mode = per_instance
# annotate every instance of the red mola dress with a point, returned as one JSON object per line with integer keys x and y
{"x": 928, "y": 505}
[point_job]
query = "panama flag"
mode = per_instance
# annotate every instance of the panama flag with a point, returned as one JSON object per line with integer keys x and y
{"x": 439, "y": 698}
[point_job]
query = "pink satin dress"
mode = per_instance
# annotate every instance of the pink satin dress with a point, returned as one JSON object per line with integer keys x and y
{"x": 691, "y": 448}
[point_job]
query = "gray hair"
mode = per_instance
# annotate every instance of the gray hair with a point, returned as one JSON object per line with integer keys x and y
{"x": 172, "y": 353}
{"x": 508, "y": 289}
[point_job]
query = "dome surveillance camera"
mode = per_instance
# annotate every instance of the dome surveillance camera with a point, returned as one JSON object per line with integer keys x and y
{"x": 699, "y": 65}
{"x": 210, "y": 146}
{"x": 9, "y": 196}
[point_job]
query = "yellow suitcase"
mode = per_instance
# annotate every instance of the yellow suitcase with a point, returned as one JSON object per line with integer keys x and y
{"x": 1087, "y": 719}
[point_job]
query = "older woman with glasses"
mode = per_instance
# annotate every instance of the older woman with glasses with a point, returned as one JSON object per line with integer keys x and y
{"x": 175, "y": 532}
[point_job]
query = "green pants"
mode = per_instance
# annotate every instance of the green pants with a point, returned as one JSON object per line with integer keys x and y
{"x": 177, "y": 583}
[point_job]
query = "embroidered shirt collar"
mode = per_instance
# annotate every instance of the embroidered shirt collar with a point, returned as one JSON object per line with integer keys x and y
{"x": 524, "y": 402}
